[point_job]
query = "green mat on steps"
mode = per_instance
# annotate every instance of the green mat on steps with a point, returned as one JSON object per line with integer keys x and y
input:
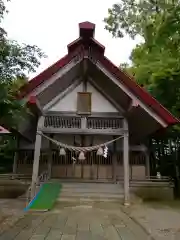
{"x": 46, "y": 197}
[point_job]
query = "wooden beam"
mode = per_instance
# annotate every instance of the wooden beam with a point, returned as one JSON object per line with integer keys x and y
{"x": 114, "y": 160}
{"x": 35, "y": 105}
{"x": 93, "y": 114}
{"x": 82, "y": 131}
{"x": 85, "y": 68}
{"x": 147, "y": 164}
{"x": 16, "y": 155}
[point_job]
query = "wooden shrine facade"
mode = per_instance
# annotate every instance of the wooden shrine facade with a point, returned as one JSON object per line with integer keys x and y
{"x": 84, "y": 100}
{"x": 93, "y": 168}
{"x": 73, "y": 129}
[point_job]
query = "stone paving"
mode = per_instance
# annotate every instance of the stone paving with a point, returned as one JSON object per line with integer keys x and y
{"x": 81, "y": 222}
{"x": 161, "y": 221}
{"x": 86, "y": 220}
{"x": 11, "y": 210}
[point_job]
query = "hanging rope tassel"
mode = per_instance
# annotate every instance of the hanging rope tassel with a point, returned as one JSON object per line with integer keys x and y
{"x": 62, "y": 152}
{"x": 100, "y": 151}
{"x": 81, "y": 156}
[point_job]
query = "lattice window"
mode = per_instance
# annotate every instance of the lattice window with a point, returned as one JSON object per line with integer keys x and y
{"x": 84, "y": 103}
{"x": 62, "y": 122}
{"x": 97, "y": 123}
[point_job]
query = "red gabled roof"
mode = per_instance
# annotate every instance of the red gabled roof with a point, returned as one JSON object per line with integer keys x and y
{"x": 42, "y": 77}
{"x": 139, "y": 91}
{"x": 87, "y": 30}
{"x": 3, "y": 130}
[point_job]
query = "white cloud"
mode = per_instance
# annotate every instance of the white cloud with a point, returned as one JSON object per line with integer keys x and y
{"x": 53, "y": 24}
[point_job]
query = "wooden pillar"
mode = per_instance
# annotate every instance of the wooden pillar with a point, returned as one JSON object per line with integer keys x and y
{"x": 147, "y": 164}
{"x": 91, "y": 159}
{"x": 83, "y": 141}
{"x": 114, "y": 161}
{"x": 37, "y": 152}
{"x": 50, "y": 158}
{"x": 16, "y": 155}
{"x": 126, "y": 163}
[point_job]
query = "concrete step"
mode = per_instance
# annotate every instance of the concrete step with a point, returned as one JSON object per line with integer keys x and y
{"x": 79, "y": 180}
{"x": 90, "y": 192}
{"x": 89, "y": 199}
{"x": 81, "y": 191}
{"x": 92, "y": 185}
{"x": 87, "y": 195}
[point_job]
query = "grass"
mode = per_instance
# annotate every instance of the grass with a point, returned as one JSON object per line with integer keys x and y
{"x": 154, "y": 194}
{"x": 12, "y": 191}
{"x": 175, "y": 204}
{"x": 12, "y": 188}
{"x": 46, "y": 197}
{"x": 157, "y": 197}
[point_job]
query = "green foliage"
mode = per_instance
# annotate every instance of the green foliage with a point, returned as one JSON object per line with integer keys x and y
{"x": 155, "y": 64}
{"x": 7, "y": 146}
{"x": 156, "y": 61}
{"x": 15, "y": 62}
{"x": 137, "y": 17}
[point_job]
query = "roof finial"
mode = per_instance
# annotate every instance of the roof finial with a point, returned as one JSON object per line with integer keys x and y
{"x": 86, "y": 29}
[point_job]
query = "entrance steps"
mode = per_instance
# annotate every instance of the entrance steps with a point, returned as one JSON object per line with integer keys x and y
{"x": 90, "y": 192}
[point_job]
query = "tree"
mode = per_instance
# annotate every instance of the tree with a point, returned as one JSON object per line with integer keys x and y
{"x": 16, "y": 61}
{"x": 155, "y": 63}
{"x": 138, "y": 17}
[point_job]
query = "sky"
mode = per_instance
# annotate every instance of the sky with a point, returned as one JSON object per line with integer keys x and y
{"x": 53, "y": 24}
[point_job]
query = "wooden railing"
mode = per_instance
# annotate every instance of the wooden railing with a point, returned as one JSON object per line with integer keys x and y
{"x": 99, "y": 123}
{"x": 77, "y": 123}
{"x": 62, "y": 122}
